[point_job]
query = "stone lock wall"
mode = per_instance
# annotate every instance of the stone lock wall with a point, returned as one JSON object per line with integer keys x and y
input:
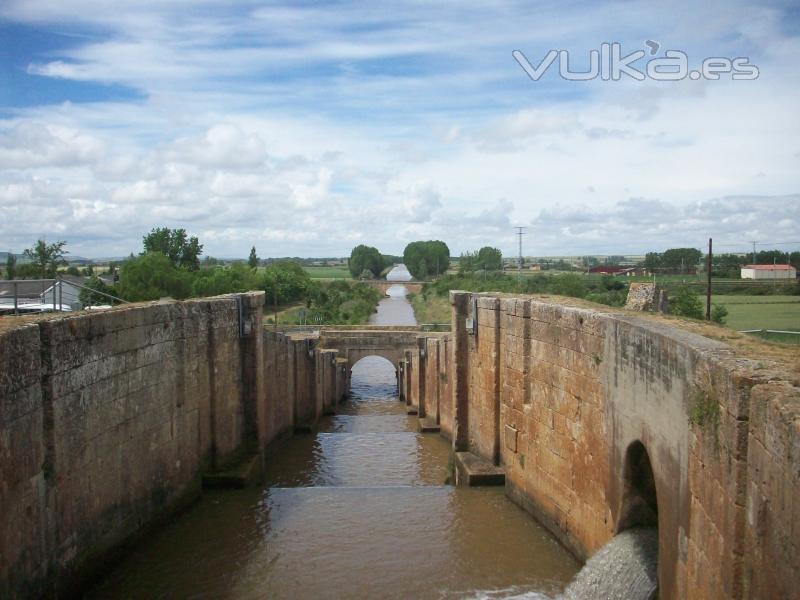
{"x": 106, "y": 420}
{"x": 109, "y": 419}
{"x": 558, "y": 395}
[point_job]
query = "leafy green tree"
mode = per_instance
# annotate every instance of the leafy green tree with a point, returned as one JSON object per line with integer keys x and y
{"x": 768, "y": 257}
{"x": 11, "y": 265}
{"x": 719, "y": 314}
{"x": 652, "y": 261}
{"x": 422, "y": 269}
{"x": 389, "y": 260}
{"x": 89, "y": 296}
{"x": 467, "y": 263}
{"x": 434, "y": 253}
{"x": 285, "y": 281}
{"x": 47, "y": 257}
{"x": 73, "y": 270}
{"x": 252, "y": 261}
{"x": 686, "y": 304}
{"x": 152, "y": 276}
{"x": 490, "y": 259}
{"x": 681, "y": 258}
{"x": 614, "y": 259}
{"x": 182, "y": 250}
{"x": 225, "y": 280}
{"x": 365, "y": 258}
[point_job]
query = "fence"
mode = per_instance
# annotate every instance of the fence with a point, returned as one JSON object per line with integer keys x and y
{"x": 45, "y": 295}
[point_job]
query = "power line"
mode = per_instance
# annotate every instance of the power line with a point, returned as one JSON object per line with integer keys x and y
{"x": 520, "y": 233}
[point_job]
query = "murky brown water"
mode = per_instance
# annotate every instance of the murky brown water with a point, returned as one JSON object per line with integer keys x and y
{"x": 357, "y": 510}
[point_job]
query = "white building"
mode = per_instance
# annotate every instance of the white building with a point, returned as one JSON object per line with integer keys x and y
{"x": 769, "y": 272}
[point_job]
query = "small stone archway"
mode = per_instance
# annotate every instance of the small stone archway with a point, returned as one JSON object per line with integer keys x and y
{"x": 393, "y": 355}
{"x": 639, "y": 504}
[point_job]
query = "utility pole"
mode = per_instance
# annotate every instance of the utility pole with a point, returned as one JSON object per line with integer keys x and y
{"x": 520, "y": 233}
{"x": 754, "y": 250}
{"x": 708, "y": 282}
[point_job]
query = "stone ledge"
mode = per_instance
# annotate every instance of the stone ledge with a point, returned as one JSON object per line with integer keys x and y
{"x": 471, "y": 470}
{"x": 428, "y": 425}
{"x": 240, "y": 475}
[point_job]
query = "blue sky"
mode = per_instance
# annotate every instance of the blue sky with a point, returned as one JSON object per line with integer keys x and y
{"x": 306, "y": 128}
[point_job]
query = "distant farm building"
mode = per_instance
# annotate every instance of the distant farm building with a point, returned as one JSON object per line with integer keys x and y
{"x": 617, "y": 270}
{"x": 769, "y": 272}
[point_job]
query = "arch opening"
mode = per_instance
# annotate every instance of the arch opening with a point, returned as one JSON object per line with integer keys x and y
{"x": 373, "y": 377}
{"x": 371, "y": 360}
{"x": 639, "y": 497}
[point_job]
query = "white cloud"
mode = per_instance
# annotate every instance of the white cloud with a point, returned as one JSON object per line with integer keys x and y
{"x": 304, "y": 130}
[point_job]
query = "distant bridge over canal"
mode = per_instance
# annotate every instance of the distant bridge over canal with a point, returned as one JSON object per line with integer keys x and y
{"x": 382, "y": 285}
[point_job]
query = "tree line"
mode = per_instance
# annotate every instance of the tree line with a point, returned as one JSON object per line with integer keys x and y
{"x": 169, "y": 265}
{"x": 422, "y": 259}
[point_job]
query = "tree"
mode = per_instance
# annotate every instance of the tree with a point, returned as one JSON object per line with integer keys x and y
{"x": 681, "y": 258}
{"x": 719, "y": 313}
{"x": 434, "y": 253}
{"x": 89, "y": 296}
{"x": 686, "y": 304}
{"x": 152, "y": 276}
{"x": 652, "y": 261}
{"x": 11, "y": 265}
{"x": 365, "y": 258}
{"x": 47, "y": 257}
{"x": 467, "y": 262}
{"x": 614, "y": 259}
{"x": 727, "y": 265}
{"x": 222, "y": 280}
{"x": 769, "y": 257}
{"x": 590, "y": 261}
{"x": 490, "y": 259}
{"x": 285, "y": 281}
{"x": 182, "y": 251}
{"x": 253, "y": 259}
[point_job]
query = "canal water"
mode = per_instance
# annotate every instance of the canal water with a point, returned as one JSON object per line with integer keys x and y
{"x": 359, "y": 509}
{"x": 395, "y": 309}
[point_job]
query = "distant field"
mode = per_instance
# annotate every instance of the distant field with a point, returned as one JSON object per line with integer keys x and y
{"x": 763, "y": 312}
{"x": 328, "y": 272}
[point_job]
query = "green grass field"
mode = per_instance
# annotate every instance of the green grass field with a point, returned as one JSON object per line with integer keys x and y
{"x": 328, "y": 272}
{"x": 763, "y": 312}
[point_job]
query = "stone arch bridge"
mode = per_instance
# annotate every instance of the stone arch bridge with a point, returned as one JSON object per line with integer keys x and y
{"x": 413, "y": 287}
{"x": 391, "y": 343}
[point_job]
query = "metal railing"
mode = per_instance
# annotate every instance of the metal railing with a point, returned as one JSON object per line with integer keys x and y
{"x": 40, "y": 302}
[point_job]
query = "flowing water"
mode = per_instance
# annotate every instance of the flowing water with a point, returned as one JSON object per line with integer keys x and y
{"x": 359, "y": 509}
